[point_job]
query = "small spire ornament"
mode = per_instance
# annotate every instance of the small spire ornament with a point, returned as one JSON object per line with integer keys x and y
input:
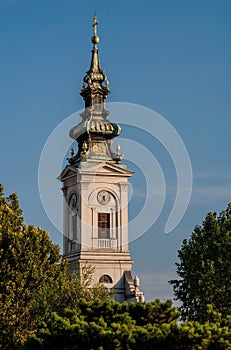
{"x": 84, "y": 147}
{"x": 95, "y": 38}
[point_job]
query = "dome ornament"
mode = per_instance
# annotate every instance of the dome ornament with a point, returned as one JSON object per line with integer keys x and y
{"x": 72, "y": 152}
{"x": 95, "y": 38}
{"x": 84, "y": 149}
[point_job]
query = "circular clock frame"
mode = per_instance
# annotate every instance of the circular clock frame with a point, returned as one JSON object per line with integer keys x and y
{"x": 103, "y": 197}
{"x": 73, "y": 200}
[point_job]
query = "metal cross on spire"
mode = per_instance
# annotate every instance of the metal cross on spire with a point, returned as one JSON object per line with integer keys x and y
{"x": 95, "y": 38}
{"x": 94, "y": 25}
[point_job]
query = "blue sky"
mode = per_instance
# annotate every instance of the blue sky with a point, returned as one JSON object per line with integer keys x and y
{"x": 170, "y": 56}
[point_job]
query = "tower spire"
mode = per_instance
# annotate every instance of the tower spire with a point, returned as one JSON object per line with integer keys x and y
{"x": 95, "y": 133}
{"x": 95, "y": 66}
{"x": 96, "y": 80}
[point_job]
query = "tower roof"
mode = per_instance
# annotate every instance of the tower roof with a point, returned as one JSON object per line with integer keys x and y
{"x": 95, "y": 132}
{"x": 95, "y": 78}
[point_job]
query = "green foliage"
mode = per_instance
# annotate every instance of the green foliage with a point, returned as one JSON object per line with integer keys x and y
{"x": 154, "y": 312}
{"x": 205, "y": 268}
{"x": 44, "y": 308}
{"x": 33, "y": 278}
{"x": 110, "y": 325}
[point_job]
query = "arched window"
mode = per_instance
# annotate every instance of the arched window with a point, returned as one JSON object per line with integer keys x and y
{"x": 105, "y": 279}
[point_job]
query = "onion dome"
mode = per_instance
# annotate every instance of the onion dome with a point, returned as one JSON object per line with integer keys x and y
{"x": 95, "y": 132}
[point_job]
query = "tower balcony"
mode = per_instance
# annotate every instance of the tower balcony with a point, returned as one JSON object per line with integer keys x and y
{"x": 104, "y": 243}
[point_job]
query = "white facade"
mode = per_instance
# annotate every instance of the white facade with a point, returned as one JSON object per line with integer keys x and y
{"x": 93, "y": 190}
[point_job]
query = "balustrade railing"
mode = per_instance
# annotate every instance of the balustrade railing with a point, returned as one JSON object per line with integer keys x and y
{"x": 107, "y": 243}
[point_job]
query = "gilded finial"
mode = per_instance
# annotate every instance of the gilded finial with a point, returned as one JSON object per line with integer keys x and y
{"x": 84, "y": 149}
{"x": 118, "y": 149}
{"x": 119, "y": 156}
{"x": 95, "y": 38}
{"x": 84, "y": 146}
{"x": 72, "y": 152}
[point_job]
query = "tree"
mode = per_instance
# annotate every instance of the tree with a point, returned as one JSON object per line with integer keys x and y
{"x": 103, "y": 325}
{"x": 111, "y": 325}
{"x": 31, "y": 273}
{"x": 205, "y": 268}
{"x": 33, "y": 277}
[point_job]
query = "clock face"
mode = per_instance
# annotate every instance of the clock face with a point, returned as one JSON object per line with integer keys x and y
{"x": 104, "y": 197}
{"x": 73, "y": 200}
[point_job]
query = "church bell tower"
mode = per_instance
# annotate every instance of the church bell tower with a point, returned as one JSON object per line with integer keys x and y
{"x": 95, "y": 191}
